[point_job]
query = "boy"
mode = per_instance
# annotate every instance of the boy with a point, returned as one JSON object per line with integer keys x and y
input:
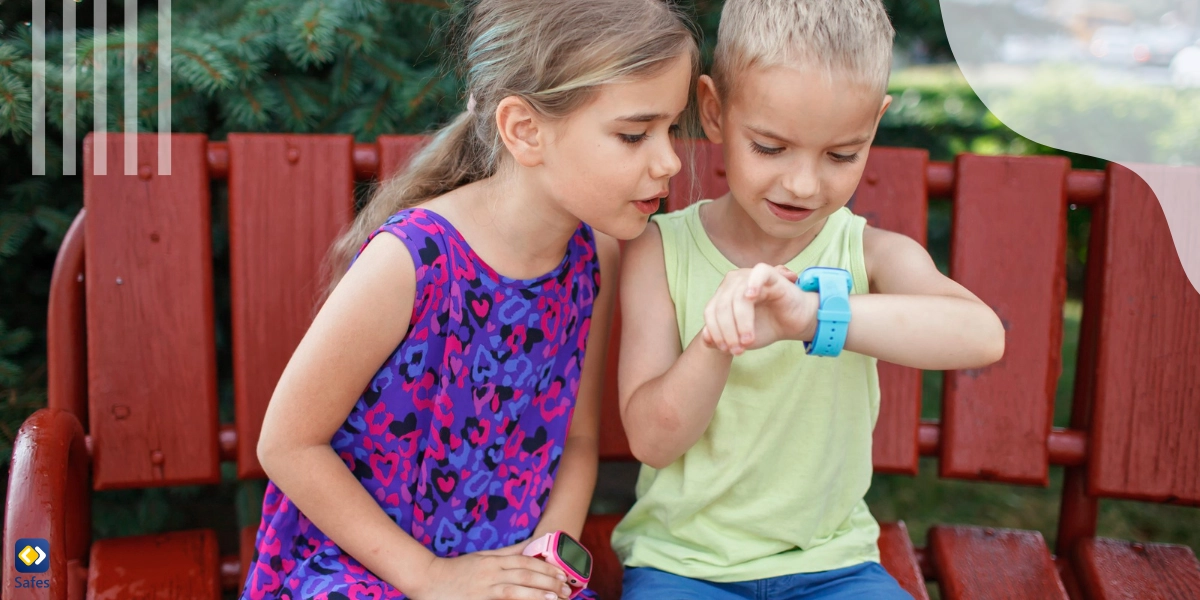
{"x": 757, "y": 444}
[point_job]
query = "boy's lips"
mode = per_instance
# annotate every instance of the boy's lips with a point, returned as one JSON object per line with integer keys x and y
{"x": 789, "y": 213}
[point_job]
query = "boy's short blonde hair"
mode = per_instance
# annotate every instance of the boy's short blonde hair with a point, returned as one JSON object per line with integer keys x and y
{"x": 850, "y": 37}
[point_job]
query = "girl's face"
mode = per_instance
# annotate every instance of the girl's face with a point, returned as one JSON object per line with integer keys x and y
{"x": 610, "y": 162}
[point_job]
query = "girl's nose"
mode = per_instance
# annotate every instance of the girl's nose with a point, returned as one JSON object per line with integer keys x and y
{"x": 666, "y": 162}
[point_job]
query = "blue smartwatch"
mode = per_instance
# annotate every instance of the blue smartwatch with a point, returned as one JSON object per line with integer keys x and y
{"x": 833, "y": 313}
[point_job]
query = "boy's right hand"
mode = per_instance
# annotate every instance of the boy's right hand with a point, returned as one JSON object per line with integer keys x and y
{"x": 756, "y": 307}
{"x": 492, "y": 576}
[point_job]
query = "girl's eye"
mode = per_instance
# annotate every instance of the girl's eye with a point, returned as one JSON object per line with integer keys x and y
{"x": 844, "y": 158}
{"x": 631, "y": 139}
{"x": 764, "y": 150}
{"x": 674, "y": 130}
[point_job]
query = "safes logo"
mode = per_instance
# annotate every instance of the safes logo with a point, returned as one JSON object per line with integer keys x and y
{"x": 33, "y": 555}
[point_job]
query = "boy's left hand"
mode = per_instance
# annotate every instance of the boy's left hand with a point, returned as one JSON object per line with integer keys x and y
{"x": 753, "y": 308}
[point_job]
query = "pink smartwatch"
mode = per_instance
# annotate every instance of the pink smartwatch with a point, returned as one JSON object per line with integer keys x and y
{"x": 563, "y": 551}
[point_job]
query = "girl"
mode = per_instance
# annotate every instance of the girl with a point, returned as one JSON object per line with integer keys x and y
{"x": 443, "y": 408}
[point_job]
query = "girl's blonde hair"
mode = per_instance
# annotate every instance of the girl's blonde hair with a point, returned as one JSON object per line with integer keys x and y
{"x": 553, "y": 54}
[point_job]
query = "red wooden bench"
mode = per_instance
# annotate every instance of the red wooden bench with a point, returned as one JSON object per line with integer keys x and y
{"x": 133, "y": 373}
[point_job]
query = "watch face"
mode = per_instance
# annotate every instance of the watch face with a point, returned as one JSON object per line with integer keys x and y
{"x": 575, "y": 556}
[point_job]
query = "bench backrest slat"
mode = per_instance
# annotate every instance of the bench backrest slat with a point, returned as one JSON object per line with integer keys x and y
{"x": 1008, "y": 242}
{"x": 152, "y": 371}
{"x": 892, "y": 195}
{"x": 289, "y": 198}
{"x": 1146, "y": 412}
{"x": 395, "y": 152}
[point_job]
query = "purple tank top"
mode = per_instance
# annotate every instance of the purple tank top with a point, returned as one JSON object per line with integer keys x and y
{"x": 459, "y": 435}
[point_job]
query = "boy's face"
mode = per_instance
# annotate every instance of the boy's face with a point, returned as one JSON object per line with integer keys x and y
{"x": 795, "y": 143}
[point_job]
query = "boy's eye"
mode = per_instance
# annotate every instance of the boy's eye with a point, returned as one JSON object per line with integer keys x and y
{"x": 764, "y": 150}
{"x": 844, "y": 158}
{"x": 631, "y": 138}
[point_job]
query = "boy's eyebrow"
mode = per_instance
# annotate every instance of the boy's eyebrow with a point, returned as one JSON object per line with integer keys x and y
{"x": 767, "y": 133}
{"x": 644, "y": 118}
{"x": 862, "y": 139}
{"x": 775, "y": 136}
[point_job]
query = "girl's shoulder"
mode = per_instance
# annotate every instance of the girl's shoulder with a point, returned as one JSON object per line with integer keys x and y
{"x": 422, "y": 231}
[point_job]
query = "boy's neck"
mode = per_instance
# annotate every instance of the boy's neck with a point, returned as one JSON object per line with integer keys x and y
{"x": 743, "y": 242}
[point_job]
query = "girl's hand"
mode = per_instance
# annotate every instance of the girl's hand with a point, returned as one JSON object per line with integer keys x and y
{"x": 492, "y": 575}
{"x": 753, "y": 308}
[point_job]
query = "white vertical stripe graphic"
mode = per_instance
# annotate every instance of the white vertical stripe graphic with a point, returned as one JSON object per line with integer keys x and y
{"x": 164, "y": 87}
{"x": 131, "y": 91}
{"x": 39, "y": 87}
{"x": 68, "y": 87}
{"x": 100, "y": 89}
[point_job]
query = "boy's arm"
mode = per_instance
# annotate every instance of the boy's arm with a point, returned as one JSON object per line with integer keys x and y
{"x": 918, "y": 317}
{"x": 667, "y": 394}
{"x": 572, "y": 493}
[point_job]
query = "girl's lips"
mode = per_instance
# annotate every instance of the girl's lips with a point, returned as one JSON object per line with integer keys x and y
{"x": 648, "y": 207}
{"x": 788, "y": 213}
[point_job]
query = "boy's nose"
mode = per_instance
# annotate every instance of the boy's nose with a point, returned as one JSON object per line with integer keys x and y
{"x": 802, "y": 182}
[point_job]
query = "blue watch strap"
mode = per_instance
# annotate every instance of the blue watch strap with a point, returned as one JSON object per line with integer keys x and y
{"x": 833, "y": 313}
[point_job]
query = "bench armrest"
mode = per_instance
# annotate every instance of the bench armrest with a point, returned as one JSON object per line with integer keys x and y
{"x": 48, "y": 495}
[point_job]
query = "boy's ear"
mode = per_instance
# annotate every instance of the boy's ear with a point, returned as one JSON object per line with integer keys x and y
{"x": 709, "y": 104}
{"x": 521, "y": 129}
{"x": 887, "y": 101}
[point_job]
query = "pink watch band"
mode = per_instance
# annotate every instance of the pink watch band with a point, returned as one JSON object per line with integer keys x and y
{"x": 539, "y": 547}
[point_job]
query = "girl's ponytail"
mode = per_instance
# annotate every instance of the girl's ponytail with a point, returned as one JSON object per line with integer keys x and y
{"x": 550, "y": 53}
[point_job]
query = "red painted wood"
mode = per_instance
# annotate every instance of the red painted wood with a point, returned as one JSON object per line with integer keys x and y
{"x": 66, "y": 338}
{"x": 396, "y": 151}
{"x": 606, "y": 568}
{"x": 1146, "y": 417}
{"x": 1111, "y": 569}
{"x": 984, "y": 564}
{"x": 181, "y": 565}
{"x": 289, "y": 198}
{"x": 706, "y": 161}
{"x": 891, "y": 195}
{"x": 614, "y": 444}
{"x": 245, "y": 553}
{"x": 898, "y": 556}
{"x": 1079, "y": 510}
{"x": 1007, "y": 246}
{"x": 150, "y": 336}
{"x": 48, "y": 497}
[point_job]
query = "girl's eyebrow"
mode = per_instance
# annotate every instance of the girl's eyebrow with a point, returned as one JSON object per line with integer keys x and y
{"x": 644, "y": 118}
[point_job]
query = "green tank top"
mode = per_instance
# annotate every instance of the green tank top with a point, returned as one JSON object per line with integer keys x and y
{"x": 775, "y": 485}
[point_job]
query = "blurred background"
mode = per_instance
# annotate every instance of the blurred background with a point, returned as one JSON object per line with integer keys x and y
{"x": 371, "y": 67}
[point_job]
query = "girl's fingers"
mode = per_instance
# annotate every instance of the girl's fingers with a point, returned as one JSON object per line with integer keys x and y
{"x": 508, "y": 591}
{"x": 538, "y": 581}
{"x": 528, "y": 563}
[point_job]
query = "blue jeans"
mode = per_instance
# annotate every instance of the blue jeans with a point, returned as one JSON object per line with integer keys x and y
{"x": 868, "y": 580}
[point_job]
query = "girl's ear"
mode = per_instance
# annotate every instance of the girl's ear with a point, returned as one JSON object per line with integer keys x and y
{"x": 521, "y": 129}
{"x": 709, "y": 104}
